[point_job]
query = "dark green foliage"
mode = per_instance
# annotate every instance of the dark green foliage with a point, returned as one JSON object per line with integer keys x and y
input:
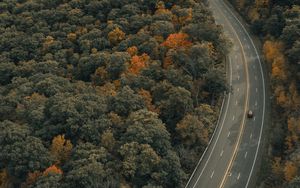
{"x": 20, "y": 152}
{"x": 96, "y": 73}
{"x": 177, "y": 104}
{"x": 49, "y": 181}
{"x": 126, "y": 101}
{"x": 144, "y": 127}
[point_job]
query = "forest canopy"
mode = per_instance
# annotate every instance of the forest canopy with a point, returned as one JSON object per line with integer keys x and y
{"x": 107, "y": 93}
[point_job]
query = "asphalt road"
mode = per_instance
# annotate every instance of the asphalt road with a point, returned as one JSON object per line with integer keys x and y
{"x": 231, "y": 157}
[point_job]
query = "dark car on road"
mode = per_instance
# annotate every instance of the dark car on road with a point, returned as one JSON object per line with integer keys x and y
{"x": 250, "y": 114}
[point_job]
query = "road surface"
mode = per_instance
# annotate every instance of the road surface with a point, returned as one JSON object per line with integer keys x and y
{"x": 231, "y": 158}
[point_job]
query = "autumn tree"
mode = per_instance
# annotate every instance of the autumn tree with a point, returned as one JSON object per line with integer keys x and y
{"x": 108, "y": 140}
{"x": 116, "y": 36}
{"x": 61, "y": 148}
{"x": 5, "y": 180}
{"x": 138, "y": 63}
{"x": 290, "y": 171}
{"x": 148, "y": 100}
{"x": 132, "y": 50}
{"x": 52, "y": 169}
{"x": 177, "y": 40}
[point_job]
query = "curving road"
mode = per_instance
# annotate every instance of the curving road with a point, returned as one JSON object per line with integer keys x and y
{"x": 231, "y": 157}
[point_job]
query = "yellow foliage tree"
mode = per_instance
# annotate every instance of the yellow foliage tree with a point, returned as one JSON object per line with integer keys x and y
{"x": 116, "y": 36}
{"x": 81, "y": 31}
{"x": 115, "y": 119}
{"x": 279, "y": 68}
{"x": 48, "y": 41}
{"x": 72, "y": 37}
{"x": 160, "y": 9}
{"x": 132, "y": 51}
{"x": 290, "y": 171}
{"x": 61, "y": 148}
{"x": 272, "y": 49}
{"x": 4, "y": 178}
{"x": 108, "y": 140}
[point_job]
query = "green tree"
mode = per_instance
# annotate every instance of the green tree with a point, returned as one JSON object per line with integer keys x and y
{"x": 192, "y": 131}
{"x": 126, "y": 101}
{"x": 145, "y": 127}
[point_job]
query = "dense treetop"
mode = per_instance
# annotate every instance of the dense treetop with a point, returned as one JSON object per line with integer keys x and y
{"x": 106, "y": 93}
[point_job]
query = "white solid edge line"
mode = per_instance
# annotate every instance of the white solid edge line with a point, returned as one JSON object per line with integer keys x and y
{"x": 212, "y": 174}
{"x": 217, "y": 125}
{"x": 264, "y": 94}
{"x": 230, "y": 80}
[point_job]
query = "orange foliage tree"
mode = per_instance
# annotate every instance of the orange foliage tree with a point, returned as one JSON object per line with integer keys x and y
{"x": 61, "y": 148}
{"x": 273, "y": 53}
{"x": 177, "y": 40}
{"x": 290, "y": 171}
{"x": 52, "y": 169}
{"x": 272, "y": 50}
{"x": 33, "y": 176}
{"x": 138, "y": 63}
